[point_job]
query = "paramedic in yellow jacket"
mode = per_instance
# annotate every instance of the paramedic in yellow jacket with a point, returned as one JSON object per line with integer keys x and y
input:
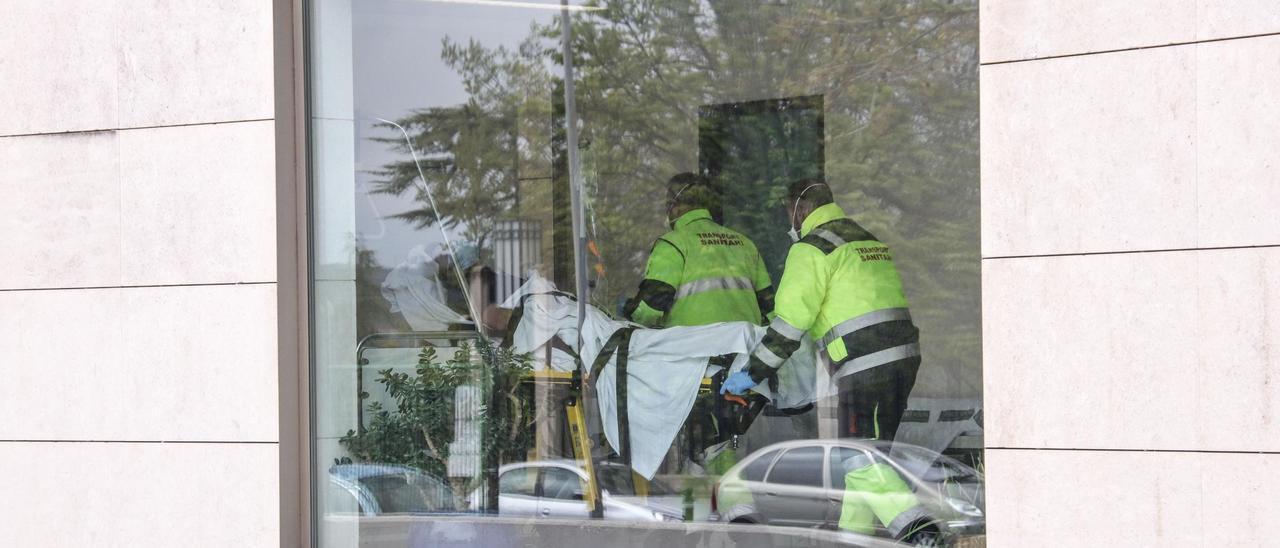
{"x": 700, "y": 272}
{"x": 840, "y": 287}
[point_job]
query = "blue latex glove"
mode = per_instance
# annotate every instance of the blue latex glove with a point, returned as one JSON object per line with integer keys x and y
{"x": 738, "y": 383}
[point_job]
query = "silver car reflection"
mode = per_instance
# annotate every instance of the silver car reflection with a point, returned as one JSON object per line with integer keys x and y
{"x": 557, "y": 489}
{"x": 801, "y": 483}
{"x": 380, "y": 489}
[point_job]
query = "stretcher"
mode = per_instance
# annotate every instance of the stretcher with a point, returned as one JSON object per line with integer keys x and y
{"x": 737, "y": 413}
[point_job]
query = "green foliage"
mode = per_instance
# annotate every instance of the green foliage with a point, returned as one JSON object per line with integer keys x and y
{"x": 418, "y": 431}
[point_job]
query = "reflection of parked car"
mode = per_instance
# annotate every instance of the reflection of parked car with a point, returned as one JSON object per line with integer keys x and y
{"x": 801, "y": 483}
{"x": 557, "y": 489}
{"x": 376, "y": 489}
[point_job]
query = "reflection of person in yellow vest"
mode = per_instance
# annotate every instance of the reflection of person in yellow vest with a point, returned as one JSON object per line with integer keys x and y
{"x": 841, "y": 287}
{"x": 700, "y": 272}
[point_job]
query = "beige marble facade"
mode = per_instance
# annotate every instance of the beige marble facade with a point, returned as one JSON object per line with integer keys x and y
{"x": 1131, "y": 253}
{"x": 138, "y": 301}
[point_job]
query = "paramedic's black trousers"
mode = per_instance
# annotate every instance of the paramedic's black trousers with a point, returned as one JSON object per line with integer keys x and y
{"x": 875, "y": 397}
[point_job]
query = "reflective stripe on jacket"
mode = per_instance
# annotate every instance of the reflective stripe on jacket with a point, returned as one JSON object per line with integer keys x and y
{"x": 701, "y": 273}
{"x": 841, "y": 287}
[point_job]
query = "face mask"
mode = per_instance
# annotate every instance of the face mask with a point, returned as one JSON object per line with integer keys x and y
{"x": 793, "y": 232}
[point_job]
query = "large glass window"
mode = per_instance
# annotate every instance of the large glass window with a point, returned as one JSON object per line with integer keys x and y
{"x": 644, "y": 243}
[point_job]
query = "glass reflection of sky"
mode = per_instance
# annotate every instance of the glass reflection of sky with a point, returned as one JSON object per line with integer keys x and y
{"x": 398, "y": 69}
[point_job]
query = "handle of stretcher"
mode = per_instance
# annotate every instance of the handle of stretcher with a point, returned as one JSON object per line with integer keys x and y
{"x": 736, "y": 399}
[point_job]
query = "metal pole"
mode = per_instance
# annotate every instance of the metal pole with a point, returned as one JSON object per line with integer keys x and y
{"x": 579, "y": 237}
{"x": 575, "y": 170}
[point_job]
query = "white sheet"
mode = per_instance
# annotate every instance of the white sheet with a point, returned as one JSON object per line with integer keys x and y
{"x": 413, "y": 288}
{"x": 664, "y": 368}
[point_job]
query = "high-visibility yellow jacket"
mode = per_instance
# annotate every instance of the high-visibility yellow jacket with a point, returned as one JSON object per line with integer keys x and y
{"x": 701, "y": 273}
{"x": 841, "y": 287}
{"x": 876, "y": 492}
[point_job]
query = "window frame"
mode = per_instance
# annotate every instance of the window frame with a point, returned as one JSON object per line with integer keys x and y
{"x": 298, "y": 484}
{"x": 299, "y": 487}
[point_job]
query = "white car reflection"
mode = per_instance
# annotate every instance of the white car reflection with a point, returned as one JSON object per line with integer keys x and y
{"x": 557, "y": 489}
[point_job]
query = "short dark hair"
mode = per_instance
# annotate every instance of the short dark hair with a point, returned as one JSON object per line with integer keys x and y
{"x": 694, "y": 191}
{"x": 812, "y": 191}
